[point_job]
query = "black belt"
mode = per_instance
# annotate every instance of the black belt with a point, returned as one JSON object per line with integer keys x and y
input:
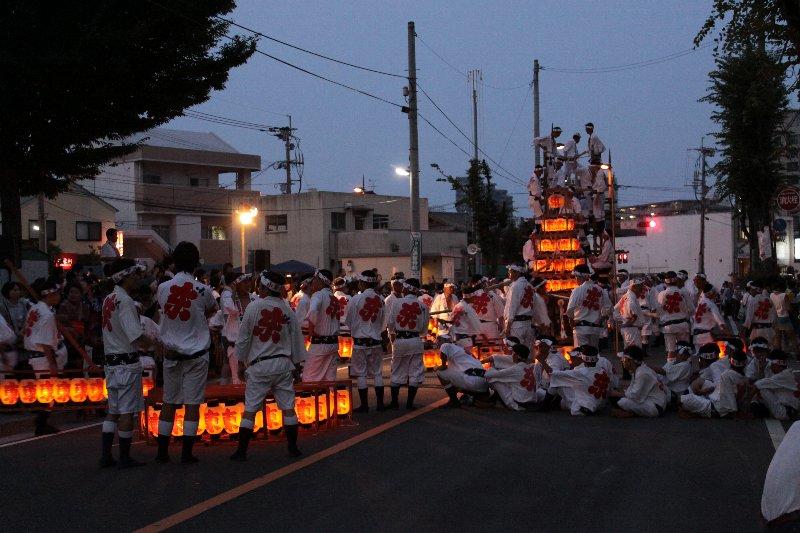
{"x": 177, "y": 356}
{"x": 366, "y": 341}
{"x": 486, "y": 321}
{"x": 328, "y": 339}
{"x": 520, "y": 318}
{"x": 587, "y": 324}
{"x": 761, "y": 325}
{"x": 673, "y": 322}
{"x": 115, "y": 359}
{"x": 266, "y": 357}
{"x": 406, "y": 334}
{"x": 462, "y": 336}
{"x": 700, "y": 331}
{"x": 479, "y": 372}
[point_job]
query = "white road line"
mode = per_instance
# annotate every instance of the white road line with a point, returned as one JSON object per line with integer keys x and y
{"x": 62, "y": 432}
{"x": 775, "y": 430}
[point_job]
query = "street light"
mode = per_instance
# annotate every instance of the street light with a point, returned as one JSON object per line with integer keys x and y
{"x": 247, "y": 216}
{"x": 400, "y": 171}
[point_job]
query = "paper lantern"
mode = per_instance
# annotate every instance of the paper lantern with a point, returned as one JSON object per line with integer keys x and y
{"x": 201, "y": 420}
{"x": 721, "y": 346}
{"x": 258, "y": 421}
{"x": 44, "y": 390}
{"x": 61, "y": 391}
{"x": 9, "y": 391}
{"x": 558, "y": 224}
{"x": 431, "y": 358}
{"x": 545, "y": 245}
{"x": 274, "y": 416}
{"x": 27, "y": 391}
{"x": 565, "y": 351}
{"x": 78, "y": 390}
{"x": 177, "y": 425}
{"x": 304, "y": 406}
{"x": 153, "y": 416}
{"x": 147, "y": 385}
{"x": 555, "y": 201}
{"x": 214, "y": 420}
{"x": 95, "y": 388}
{"x": 476, "y": 352}
{"x": 322, "y": 406}
{"x": 555, "y": 285}
{"x": 232, "y": 418}
{"x": 308, "y": 343}
{"x": 345, "y": 346}
{"x": 343, "y": 403}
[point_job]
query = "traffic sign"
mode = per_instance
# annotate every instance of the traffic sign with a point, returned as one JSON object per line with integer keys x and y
{"x": 779, "y": 225}
{"x": 789, "y": 199}
{"x": 416, "y": 254}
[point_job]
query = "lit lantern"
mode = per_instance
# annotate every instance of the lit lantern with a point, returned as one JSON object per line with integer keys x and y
{"x": 27, "y": 390}
{"x": 177, "y": 425}
{"x": 476, "y": 352}
{"x": 555, "y": 201}
{"x": 61, "y": 391}
{"x": 78, "y": 389}
{"x": 308, "y": 343}
{"x": 322, "y": 406}
{"x": 105, "y": 390}
{"x": 9, "y": 391}
{"x": 345, "y": 346}
{"x": 258, "y": 421}
{"x": 147, "y": 385}
{"x": 44, "y": 390}
{"x": 432, "y": 325}
{"x": 721, "y": 346}
{"x": 431, "y": 359}
{"x": 558, "y": 224}
{"x": 95, "y": 387}
{"x": 343, "y": 403}
{"x": 152, "y": 421}
{"x": 214, "y": 421}
{"x": 201, "y": 420}
{"x": 304, "y": 406}
{"x": 546, "y": 245}
{"x": 274, "y": 416}
{"x": 232, "y": 418}
{"x": 565, "y": 351}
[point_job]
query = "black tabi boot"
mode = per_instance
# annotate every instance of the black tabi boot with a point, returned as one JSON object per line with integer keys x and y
{"x": 395, "y": 391}
{"x": 363, "y": 396}
{"x": 379, "y": 399}
{"x": 125, "y": 459}
{"x": 41, "y": 426}
{"x": 291, "y": 440}
{"x": 245, "y": 434}
{"x": 106, "y": 459}
{"x": 451, "y": 392}
{"x": 412, "y": 392}
{"x": 186, "y": 451}
{"x": 163, "y": 449}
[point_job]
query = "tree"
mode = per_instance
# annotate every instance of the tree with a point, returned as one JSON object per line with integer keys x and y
{"x": 751, "y": 99}
{"x": 80, "y": 78}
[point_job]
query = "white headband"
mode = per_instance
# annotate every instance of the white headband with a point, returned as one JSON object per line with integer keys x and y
{"x": 321, "y": 276}
{"x": 243, "y": 277}
{"x": 708, "y": 355}
{"x": 759, "y": 345}
{"x": 516, "y": 268}
{"x": 684, "y": 349}
{"x": 544, "y": 341}
{"x": 781, "y": 362}
{"x": 45, "y": 292}
{"x": 269, "y": 284}
{"x": 122, "y": 274}
{"x": 589, "y": 358}
{"x": 368, "y": 279}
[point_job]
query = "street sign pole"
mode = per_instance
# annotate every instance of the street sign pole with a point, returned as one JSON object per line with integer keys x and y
{"x": 416, "y": 254}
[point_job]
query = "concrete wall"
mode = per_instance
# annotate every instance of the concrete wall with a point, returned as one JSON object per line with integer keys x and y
{"x": 675, "y": 242}
{"x": 434, "y": 269}
{"x": 115, "y": 184}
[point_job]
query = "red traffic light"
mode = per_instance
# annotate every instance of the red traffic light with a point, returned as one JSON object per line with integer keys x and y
{"x": 652, "y": 223}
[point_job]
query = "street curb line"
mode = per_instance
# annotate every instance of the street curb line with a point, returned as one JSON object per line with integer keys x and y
{"x": 257, "y": 483}
{"x": 62, "y": 432}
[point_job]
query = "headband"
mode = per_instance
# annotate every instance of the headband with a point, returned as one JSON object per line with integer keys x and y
{"x": 242, "y": 277}
{"x": 321, "y": 276}
{"x": 368, "y": 279}
{"x": 269, "y": 284}
{"x": 781, "y": 362}
{"x": 516, "y": 268}
{"x": 684, "y": 350}
{"x": 708, "y": 355}
{"x": 589, "y": 358}
{"x": 448, "y": 284}
{"x": 544, "y": 341}
{"x": 737, "y": 363}
{"x": 759, "y": 345}
{"x": 124, "y": 273}
{"x": 509, "y": 343}
{"x": 45, "y": 292}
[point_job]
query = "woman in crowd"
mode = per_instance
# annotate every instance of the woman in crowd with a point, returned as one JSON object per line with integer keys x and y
{"x": 13, "y": 308}
{"x": 75, "y": 315}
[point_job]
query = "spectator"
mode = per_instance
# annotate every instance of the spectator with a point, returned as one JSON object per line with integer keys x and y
{"x": 13, "y": 308}
{"x": 75, "y": 315}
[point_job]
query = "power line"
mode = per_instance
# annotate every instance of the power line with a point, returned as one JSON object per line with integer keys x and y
{"x": 226, "y": 120}
{"x": 628, "y": 66}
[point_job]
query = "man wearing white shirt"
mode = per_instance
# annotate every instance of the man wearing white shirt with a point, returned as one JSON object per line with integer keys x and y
{"x": 707, "y": 317}
{"x": 785, "y": 338}
{"x": 529, "y": 252}
{"x": 185, "y": 305}
{"x": 234, "y": 302}
{"x": 587, "y": 305}
{"x": 777, "y": 390}
{"x": 465, "y": 325}
{"x": 535, "y": 194}
{"x": 109, "y": 251}
{"x": 674, "y": 313}
{"x": 629, "y": 315}
{"x": 442, "y": 308}
{"x": 518, "y": 310}
{"x": 759, "y": 317}
{"x": 462, "y": 373}
{"x": 323, "y": 327}
{"x": 549, "y": 145}
{"x": 515, "y": 384}
{"x": 596, "y": 146}
{"x": 488, "y": 305}
{"x": 407, "y": 320}
{"x": 645, "y": 396}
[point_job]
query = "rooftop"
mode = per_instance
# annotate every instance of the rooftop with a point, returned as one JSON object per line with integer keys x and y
{"x": 187, "y": 140}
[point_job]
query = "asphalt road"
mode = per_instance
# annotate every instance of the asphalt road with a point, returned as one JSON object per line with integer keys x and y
{"x": 466, "y": 469}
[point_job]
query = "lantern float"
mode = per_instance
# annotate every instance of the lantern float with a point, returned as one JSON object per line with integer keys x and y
{"x": 9, "y": 391}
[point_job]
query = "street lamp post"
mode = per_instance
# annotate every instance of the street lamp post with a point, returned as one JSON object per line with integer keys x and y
{"x": 246, "y": 217}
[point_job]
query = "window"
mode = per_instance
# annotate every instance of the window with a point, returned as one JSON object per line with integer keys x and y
{"x": 163, "y": 231}
{"x": 215, "y": 233}
{"x": 380, "y": 221}
{"x": 360, "y": 218}
{"x": 198, "y": 182}
{"x": 276, "y": 223}
{"x": 88, "y": 231}
{"x": 338, "y": 221}
{"x": 151, "y": 179}
{"x": 33, "y": 229}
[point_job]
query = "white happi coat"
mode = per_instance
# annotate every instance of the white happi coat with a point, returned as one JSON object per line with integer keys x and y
{"x": 645, "y": 395}
{"x": 519, "y": 303}
{"x": 782, "y": 485}
{"x": 779, "y": 391}
{"x": 464, "y": 321}
{"x": 760, "y": 316}
{"x": 516, "y": 384}
{"x": 706, "y": 317}
{"x": 583, "y": 386}
{"x": 489, "y": 308}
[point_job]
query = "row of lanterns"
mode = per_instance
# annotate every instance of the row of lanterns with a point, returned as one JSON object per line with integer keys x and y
{"x": 558, "y": 245}
{"x": 58, "y": 390}
{"x": 555, "y": 285}
{"x": 558, "y": 265}
{"x": 215, "y": 420}
{"x": 558, "y": 224}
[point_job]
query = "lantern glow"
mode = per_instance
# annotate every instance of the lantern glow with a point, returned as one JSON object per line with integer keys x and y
{"x": 345, "y": 346}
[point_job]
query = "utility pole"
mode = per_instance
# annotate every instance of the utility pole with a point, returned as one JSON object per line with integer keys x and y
{"x": 42, "y": 223}
{"x": 536, "y": 133}
{"x": 474, "y": 75}
{"x": 703, "y": 187}
{"x": 413, "y": 153}
{"x": 285, "y": 134}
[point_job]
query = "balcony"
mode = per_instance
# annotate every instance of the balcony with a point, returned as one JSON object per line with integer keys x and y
{"x": 196, "y": 200}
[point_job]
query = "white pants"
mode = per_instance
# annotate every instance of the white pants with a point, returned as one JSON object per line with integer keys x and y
{"x": 767, "y": 333}
{"x": 491, "y": 330}
{"x": 674, "y": 333}
{"x": 233, "y": 363}
{"x": 124, "y": 385}
{"x": 702, "y": 338}
{"x": 504, "y": 390}
{"x": 185, "y": 381}
{"x": 366, "y": 362}
{"x": 776, "y": 408}
{"x": 462, "y": 381}
{"x": 697, "y": 404}
{"x": 321, "y": 367}
{"x": 645, "y": 408}
{"x": 598, "y": 201}
{"x": 40, "y": 364}
{"x": 586, "y": 335}
{"x": 536, "y": 207}
{"x": 407, "y": 369}
{"x": 258, "y": 386}
{"x": 631, "y": 336}
{"x": 522, "y": 330}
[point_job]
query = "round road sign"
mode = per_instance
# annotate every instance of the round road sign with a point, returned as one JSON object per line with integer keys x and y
{"x": 789, "y": 199}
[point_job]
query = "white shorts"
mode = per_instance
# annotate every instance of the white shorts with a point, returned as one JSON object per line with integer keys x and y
{"x": 124, "y": 385}
{"x": 646, "y": 409}
{"x": 522, "y": 330}
{"x": 321, "y": 367}
{"x": 258, "y": 386}
{"x": 464, "y": 382}
{"x": 366, "y": 363}
{"x": 185, "y": 381}
{"x": 491, "y": 330}
{"x": 586, "y": 335}
{"x": 697, "y": 404}
{"x": 407, "y": 369}
{"x": 674, "y": 333}
{"x": 40, "y": 364}
{"x": 631, "y": 336}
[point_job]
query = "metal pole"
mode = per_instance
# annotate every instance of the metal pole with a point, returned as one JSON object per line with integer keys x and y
{"x": 413, "y": 136}
{"x": 536, "y": 156}
{"x": 244, "y": 250}
{"x": 701, "y": 259}
{"x": 613, "y": 191}
{"x": 474, "y": 75}
{"x": 42, "y": 224}
{"x": 288, "y": 145}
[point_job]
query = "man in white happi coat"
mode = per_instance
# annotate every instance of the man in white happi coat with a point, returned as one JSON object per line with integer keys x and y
{"x": 529, "y": 251}
{"x": 515, "y": 385}
{"x": 407, "y": 320}
{"x": 629, "y": 315}
{"x": 488, "y": 305}
{"x": 123, "y": 337}
{"x": 366, "y": 318}
{"x": 646, "y": 395}
{"x": 519, "y": 306}
{"x": 572, "y": 167}
{"x": 270, "y": 345}
{"x": 461, "y": 373}
{"x": 582, "y": 390}
{"x": 234, "y": 302}
{"x": 442, "y": 308}
{"x": 465, "y": 326}
{"x": 596, "y": 146}
{"x": 777, "y": 391}
{"x": 756, "y": 367}
{"x": 341, "y": 295}
{"x": 535, "y": 193}
{"x": 322, "y": 321}
{"x": 673, "y": 313}
{"x": 549, "y": 146}
{"x": 780, "y": 501}
{"x": 707, "y": 317}
{"x": 759, "y": 317}
{"x": 185, "y": 305}
{"x": 587, "y": 306}
{"x": 678, "y": 371}
{"x": 301, "y": 300}
{"x": 721, "y": 398}
{"x": 547, "y": 359}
